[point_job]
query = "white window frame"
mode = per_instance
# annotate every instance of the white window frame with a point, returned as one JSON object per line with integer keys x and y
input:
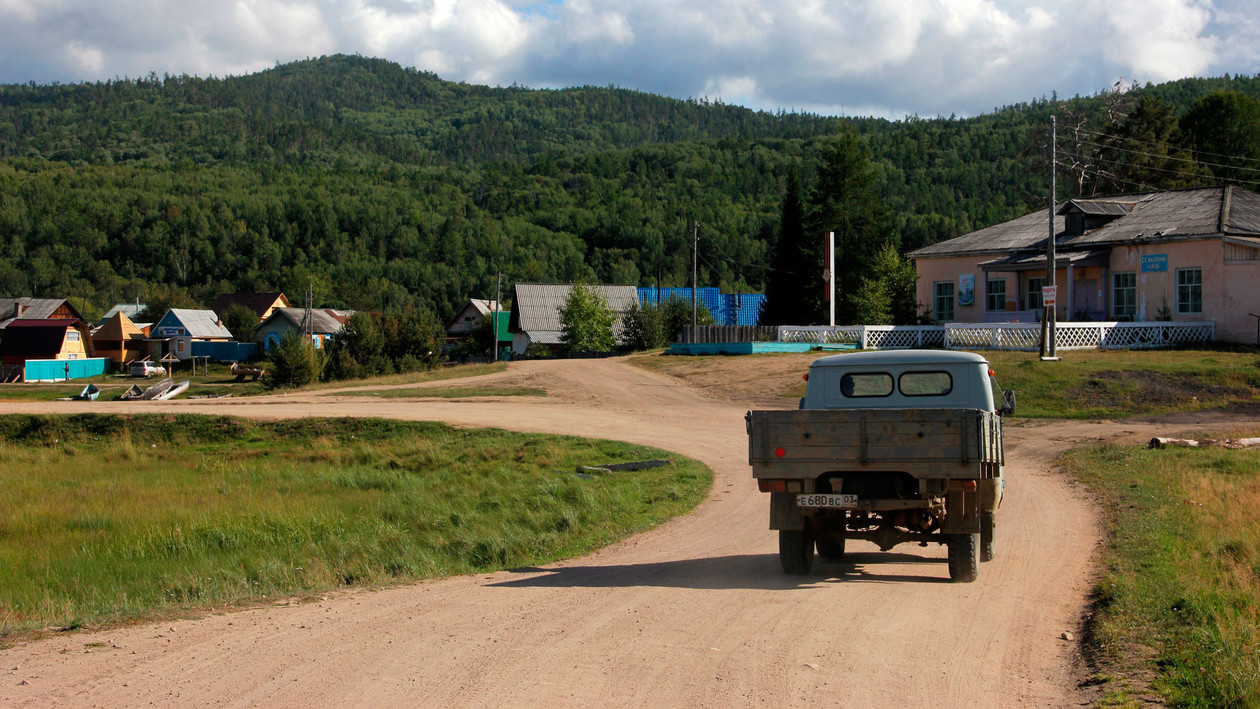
{"x": 1189, "y": 304}
{"x": 1130, "y": 304}
{"x": 992, "y": 292}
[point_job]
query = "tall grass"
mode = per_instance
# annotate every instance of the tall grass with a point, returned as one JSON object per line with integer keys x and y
{"x": 1180, "y": 595}
{"x": 114, "y": 518}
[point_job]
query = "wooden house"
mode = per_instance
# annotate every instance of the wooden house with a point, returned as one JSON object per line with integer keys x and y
{"x": 262, "y": 304}
{"x": 27, "y": 339}
{"x": 119, "y": 339}
{"x": 324, "y": 325}
{"x": 535, "y": 317}
{"x": 180, "y": 327}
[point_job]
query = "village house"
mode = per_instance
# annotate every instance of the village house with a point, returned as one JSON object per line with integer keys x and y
{"x": 1188, "y": 255}
{"x": 179, "y": 328}
{"x": 12, "y": 309}
{"x": 469, "y": 317}
{"x": 120, "y": 339}
{"x": 262, "y": 304}
{"x": 324, "y": 325}
{"x": 536, "y": 309}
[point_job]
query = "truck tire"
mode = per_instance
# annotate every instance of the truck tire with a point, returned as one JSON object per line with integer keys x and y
{"x": 986, "y": 536}
{"x": 796, "y": 551}
{"x": 964, "y": 557}
{"x": 830, "y": 547}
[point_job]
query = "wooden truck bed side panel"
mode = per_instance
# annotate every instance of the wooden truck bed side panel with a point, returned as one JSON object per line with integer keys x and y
{"x": 922, "y": 442}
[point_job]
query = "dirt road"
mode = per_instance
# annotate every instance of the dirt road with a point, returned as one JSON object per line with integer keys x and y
{"x": 695, "y": 613}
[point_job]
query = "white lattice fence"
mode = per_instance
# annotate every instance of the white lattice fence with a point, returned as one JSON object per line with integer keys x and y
{"x": 1143, "y": 335}
{"x": 890, "y": 337}
{"x": 823, "y": 335}
{"x": 999, "y": 336}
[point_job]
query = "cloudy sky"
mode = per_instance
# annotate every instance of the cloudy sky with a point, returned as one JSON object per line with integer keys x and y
{"x": 852, "y": 57}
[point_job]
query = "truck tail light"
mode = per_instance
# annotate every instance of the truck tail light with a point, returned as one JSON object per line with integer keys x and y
{"x": 779, "y": 452}
{"x": 772, "y": 485}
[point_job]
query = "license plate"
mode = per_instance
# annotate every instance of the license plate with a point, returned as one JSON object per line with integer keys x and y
{"x": 827, "y": 500}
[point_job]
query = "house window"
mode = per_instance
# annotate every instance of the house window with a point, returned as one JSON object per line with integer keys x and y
{"x": 997, "y": 295}
{"x": 944, "y": 296}
{"x": 1124, "y": 295}
{"x": 72, "y": 336}
{"x": 1189, "y": 290}
{"x": 1033, "y": 297}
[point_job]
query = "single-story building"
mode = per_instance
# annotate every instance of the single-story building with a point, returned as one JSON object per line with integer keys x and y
{"x": 45, "y": 339}
{"x": 262, "y": 304}
{"x": 469, "y": 317}
{"x": 120, "y": 340}
{"x": 131, "y": 310}
{"x": 325, "y": 324}
{"x": 1189, "y": 255}
{"x": 12, "y": 309}
{"x": 179, "y": 327}
{"x": 536, "y": 309}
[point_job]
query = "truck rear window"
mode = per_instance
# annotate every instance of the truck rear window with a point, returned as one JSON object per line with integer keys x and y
{"x": 866, "y": 384}
{"x": 925, "y": 383}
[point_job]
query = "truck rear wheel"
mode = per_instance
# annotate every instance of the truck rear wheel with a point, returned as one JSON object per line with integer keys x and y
{"x": 964, "y": 557}
{"x": 986, "y": 536}
{"x": 830, "y": 547}
{"x": 796, "y": 551}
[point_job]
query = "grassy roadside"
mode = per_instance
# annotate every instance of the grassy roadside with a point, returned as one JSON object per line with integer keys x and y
{"x": 1085, "y": 384}
{"x": 1178, "y": 603}
{"x": 220, "y": 382}
{"x": 444, "y": 392}
{"x": 116, "y": 518}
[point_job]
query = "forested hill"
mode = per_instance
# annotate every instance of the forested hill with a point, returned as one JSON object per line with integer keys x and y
{"x": 356, "y": 110}
{"x": 384, "y": 186}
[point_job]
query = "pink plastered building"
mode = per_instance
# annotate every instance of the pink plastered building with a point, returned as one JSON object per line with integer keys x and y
{"x": 1184, "y": 255}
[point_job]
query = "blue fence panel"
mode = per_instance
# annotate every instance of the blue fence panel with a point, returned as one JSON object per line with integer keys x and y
{"x": 38, "y": 370}
{"x": 726, "y": 308}
{"x": 225, "y": 351}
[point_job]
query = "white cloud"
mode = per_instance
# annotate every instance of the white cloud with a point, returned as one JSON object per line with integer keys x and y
{"x": 924, "y": 56}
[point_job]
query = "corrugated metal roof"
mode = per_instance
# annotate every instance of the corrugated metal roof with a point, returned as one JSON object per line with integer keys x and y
{"x": 128, "y": 309}
{"x": 200, "y": 323}
{"x": 1178, "y": 214}
{"x": 536, "y": 307}
{"x": 31, "y": 309}
{"x": 1102, "y": 208}
{"x": 257, "y": 302}
{"x": 323, "y": 323}
{"x": 1060, "y": 258}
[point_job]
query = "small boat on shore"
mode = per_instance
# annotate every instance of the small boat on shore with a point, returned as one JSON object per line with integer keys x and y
{"x": 89, "y": 393}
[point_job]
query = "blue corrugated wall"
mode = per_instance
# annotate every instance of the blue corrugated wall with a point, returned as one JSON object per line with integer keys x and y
{"x": 56, "y": 369}
{"x": 726, "y": 308}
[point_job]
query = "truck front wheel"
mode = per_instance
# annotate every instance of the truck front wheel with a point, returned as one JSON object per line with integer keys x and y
{"x": 796, "y": 551}
{"x": 964, "y": 557}
{"x": 830, "y": 547}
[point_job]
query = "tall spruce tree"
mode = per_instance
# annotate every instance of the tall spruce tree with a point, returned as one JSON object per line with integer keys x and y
{"x": 846, "y": 200}
{"x": 787, "y": 283}
{"x": 1223, "y": 129}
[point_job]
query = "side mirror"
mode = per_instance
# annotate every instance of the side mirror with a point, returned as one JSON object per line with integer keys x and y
{"x": 1008, "y": 402}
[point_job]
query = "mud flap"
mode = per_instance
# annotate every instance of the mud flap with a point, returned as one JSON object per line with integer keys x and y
{"x": 962, "y": 510}
{"x": 784, "y": 512}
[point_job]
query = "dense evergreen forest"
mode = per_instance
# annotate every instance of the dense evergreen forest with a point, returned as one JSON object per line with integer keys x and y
{"x": 386, "y": 187}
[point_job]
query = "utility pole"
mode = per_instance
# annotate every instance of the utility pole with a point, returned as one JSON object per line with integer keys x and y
{"x": 1048, "y": 305}
{"x": 494, "y": 317}
{"x": 829, "y": 278}
{"x": 695, "y": 252}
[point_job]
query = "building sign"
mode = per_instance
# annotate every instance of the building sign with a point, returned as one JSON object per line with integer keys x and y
{"x": 167, "y": 331}
{"x": 1153, "y": 263}
{"x": 967, "y": 289}
{"x": 1047, "y": 295}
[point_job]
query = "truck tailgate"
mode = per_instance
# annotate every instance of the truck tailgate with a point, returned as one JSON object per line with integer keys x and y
{"x": 923, "y": 442}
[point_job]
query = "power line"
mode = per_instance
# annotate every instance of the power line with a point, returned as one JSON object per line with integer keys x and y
{"x": 1179, "y": 173}
{"x": 1165, "y": 156}
{"x": 1155, "y": 145}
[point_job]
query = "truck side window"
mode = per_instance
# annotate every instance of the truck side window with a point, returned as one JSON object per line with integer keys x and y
{"x": 866, "y": 384}
{"x": 925, "y": 383}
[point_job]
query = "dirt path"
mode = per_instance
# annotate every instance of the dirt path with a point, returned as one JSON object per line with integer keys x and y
{"x": 694, "y": 613}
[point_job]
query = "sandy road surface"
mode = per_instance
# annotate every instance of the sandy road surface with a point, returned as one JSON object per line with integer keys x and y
{"x": 693, "y": 613}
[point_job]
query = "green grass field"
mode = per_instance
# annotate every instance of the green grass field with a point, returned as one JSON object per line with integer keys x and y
{"x": 1178, "y": 604}
{"x": 108, "y": 518}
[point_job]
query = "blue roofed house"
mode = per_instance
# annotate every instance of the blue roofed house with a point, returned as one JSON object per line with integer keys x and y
{"x": 176, "y": 332}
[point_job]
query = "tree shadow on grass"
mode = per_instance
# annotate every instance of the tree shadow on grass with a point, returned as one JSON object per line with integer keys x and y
{"x": 756, "y": 571}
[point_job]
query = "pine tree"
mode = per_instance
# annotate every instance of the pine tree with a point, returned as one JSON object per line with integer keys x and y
{"x": 787, "y": 283}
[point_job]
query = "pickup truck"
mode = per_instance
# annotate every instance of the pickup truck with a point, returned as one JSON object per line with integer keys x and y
{"x": 890, "y": 447}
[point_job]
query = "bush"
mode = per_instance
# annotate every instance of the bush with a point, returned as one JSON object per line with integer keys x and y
{"x": 586, "y": 322}
{"x": 294, "y": 362}
{"x": 643, "y": 328}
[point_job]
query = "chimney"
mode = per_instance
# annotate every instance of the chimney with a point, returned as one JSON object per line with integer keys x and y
{"x": 18, "y": 309}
